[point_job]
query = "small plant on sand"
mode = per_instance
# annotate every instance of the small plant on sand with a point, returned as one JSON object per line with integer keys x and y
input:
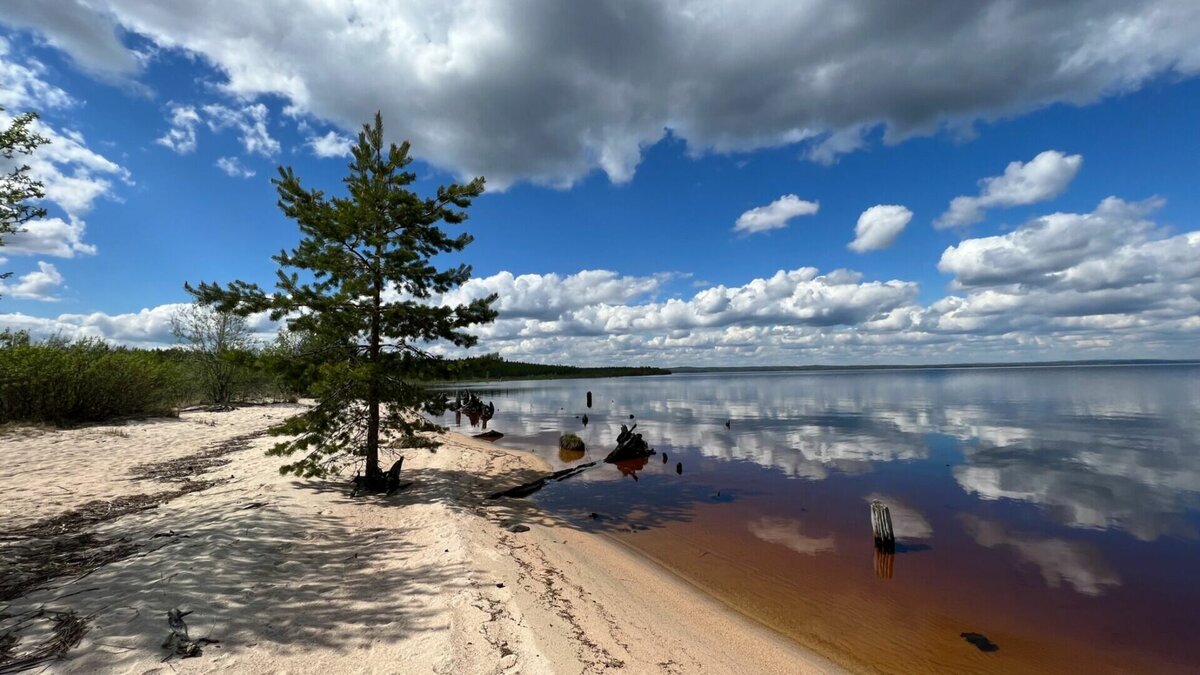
{"x": 362, "y": 287}
{"x": 570, "y": 442}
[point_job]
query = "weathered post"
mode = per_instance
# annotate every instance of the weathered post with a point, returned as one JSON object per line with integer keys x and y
{"x": 589, "y": 399}
{"x": 881, "y": 527}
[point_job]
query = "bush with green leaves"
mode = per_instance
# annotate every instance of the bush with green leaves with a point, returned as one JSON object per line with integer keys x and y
{"x": 62, "y": 383}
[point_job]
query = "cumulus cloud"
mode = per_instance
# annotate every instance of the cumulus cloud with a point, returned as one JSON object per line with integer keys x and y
{"x": 775, "y": 215}
{"x": 40, "y": 284}
{"x": 72, "y": 25}
{"x": 331, "y": 144}
{"x": 1110, "y": 283}
{"x": 549, "y": 93}
{"x": 1047, "y": 250}
{"x": 149, "y": 327}
{"x": 181, "y": 137}
{"x": 1043, "y": 177}
{"x": 50, "y": 236}
{"x": 251, "y": 123}
{"x": 878, "y": 227}
{"x": 74, "y": 176}
{"x": 234, "y": 168}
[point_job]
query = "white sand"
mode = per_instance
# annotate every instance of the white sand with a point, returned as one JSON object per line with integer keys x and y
{"x": 430, "y": 580}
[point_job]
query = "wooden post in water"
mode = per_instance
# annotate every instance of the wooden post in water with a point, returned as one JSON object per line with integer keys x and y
{"x": 881, "y": 526}
{"x": 589, "y": 397}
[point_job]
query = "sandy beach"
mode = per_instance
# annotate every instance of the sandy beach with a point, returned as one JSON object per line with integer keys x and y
{"x": 289, "y": 575}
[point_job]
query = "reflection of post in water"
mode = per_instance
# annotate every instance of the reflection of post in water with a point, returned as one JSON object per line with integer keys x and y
{"x": 885, "y": 562}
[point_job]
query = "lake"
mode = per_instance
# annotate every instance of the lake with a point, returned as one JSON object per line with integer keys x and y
{"x": 1046, "y": 518}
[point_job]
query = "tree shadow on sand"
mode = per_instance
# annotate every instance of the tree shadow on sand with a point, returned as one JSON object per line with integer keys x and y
{"x": 253, "y": 574}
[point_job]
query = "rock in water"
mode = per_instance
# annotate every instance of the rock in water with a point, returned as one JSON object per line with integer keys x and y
{"x": 981, "y": 642}
{"x": 679, "y": 468}
{"x": 489, "y": 435}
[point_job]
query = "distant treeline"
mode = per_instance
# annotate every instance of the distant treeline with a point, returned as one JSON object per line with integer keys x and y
{"x": 493, "y": 367}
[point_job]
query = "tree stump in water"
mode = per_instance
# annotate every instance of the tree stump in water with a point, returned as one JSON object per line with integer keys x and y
{"x": 881, "y": 527}
{"x": 629, "y": 446}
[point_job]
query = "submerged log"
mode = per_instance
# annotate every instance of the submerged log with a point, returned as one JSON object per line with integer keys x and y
{"x": 881, "y": 527}
{"x": 629, "y": 446}
{"x": 526, "y": 489}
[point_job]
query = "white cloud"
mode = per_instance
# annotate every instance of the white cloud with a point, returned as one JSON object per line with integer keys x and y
{"x": 1105, "y": 284}
{"x": 71, "y": 25}
{"x": 73, "y": 175}
{"x": 250, "y": 121}
{"x": 331, "y": 144}
{"x": 1043, "y": 177}
{"x": 234, "y": 168}
{"x": 1047, "y": 250}
{"x": 878, "y": 227}
{"x": 539, "y": 93}
{"x": 181, "y": 137}
{"x": 50, "y": 236}
{"x": 775, "y": 215}
{"x": 40, "y": 284}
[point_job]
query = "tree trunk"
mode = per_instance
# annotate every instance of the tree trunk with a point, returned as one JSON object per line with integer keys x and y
{"x": 372, "y": 469}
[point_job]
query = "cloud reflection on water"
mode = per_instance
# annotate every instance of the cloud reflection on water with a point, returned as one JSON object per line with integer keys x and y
{"x": 1076, "y": 563}
{"x": 786, "y": 532}
{"x": 1108, "y": 448}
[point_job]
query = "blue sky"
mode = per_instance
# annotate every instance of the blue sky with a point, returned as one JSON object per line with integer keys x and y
{"x": 620, "y": 169}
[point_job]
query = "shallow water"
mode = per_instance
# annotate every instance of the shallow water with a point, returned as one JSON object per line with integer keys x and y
{"x": 1047, "y": 518}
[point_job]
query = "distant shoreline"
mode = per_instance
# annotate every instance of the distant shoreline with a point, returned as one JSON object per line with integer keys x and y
{"x": 599, "y": 373}
{"x": 939, "y": 366}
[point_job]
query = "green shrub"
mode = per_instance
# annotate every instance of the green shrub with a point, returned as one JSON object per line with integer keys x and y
{"x": 60, "y": 382}
{"x": 570, "y": 442}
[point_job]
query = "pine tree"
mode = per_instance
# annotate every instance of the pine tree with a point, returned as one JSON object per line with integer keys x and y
{"x": 359, "y": 285}
{"x": 17, "y": 187}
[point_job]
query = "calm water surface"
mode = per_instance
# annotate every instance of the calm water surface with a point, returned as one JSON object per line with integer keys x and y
{"x": 1052, "y": 511}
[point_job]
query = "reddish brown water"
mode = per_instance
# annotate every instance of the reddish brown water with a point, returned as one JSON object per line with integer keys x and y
{"x": 1051, "y": 515}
